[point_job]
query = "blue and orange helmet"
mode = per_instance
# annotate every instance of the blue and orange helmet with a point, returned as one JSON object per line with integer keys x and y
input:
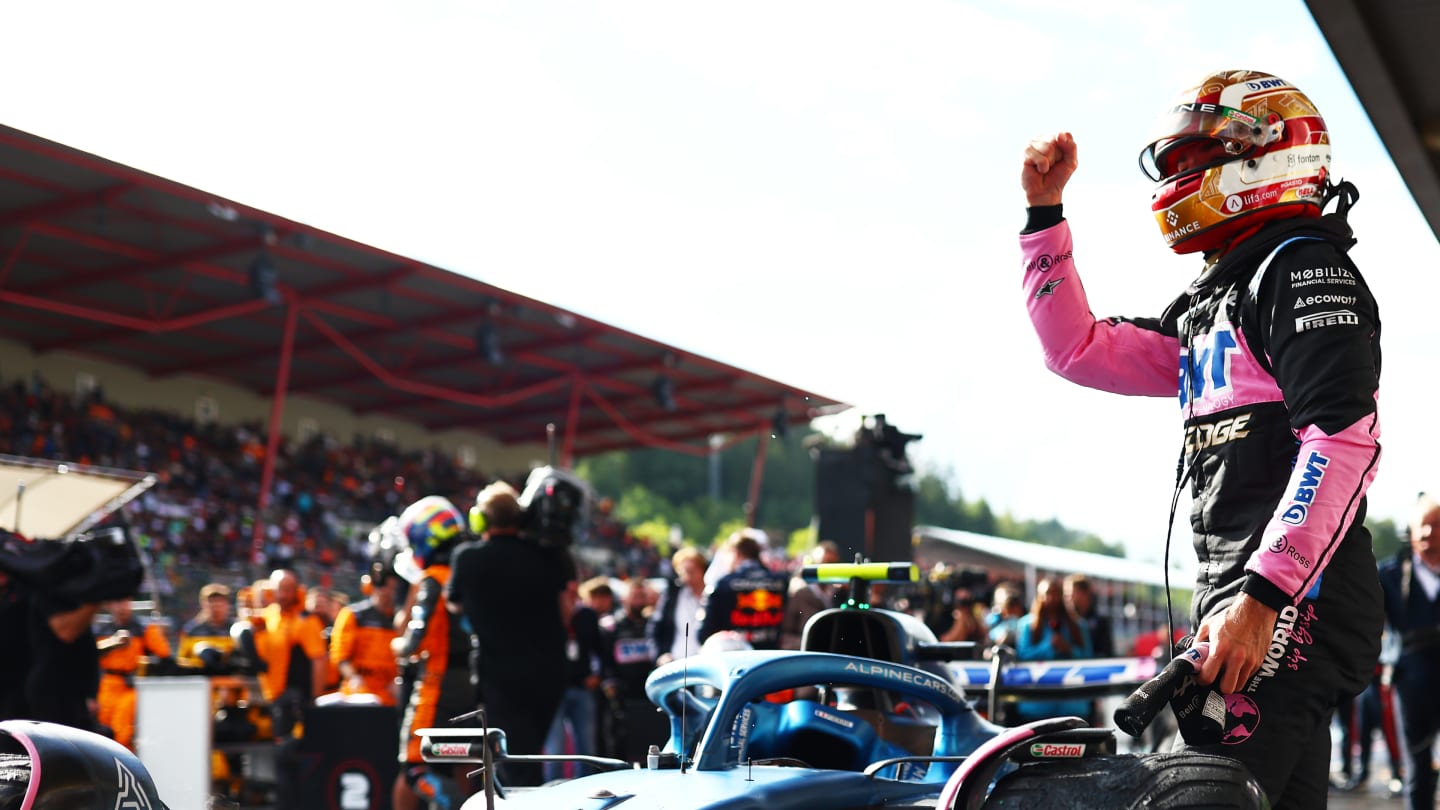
{"x": 431, "y": 526}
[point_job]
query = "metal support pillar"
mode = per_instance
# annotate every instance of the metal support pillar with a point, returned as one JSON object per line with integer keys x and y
{"x": 272, "y": 438}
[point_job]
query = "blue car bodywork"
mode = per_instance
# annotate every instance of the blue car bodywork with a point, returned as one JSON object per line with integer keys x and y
{"x": 871, "y": 714}
{"x": 729, "y": 733}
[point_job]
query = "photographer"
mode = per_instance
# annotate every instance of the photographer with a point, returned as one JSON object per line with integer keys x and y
{"x": 1051, "y": 632}
{"x": 954, "y": 601}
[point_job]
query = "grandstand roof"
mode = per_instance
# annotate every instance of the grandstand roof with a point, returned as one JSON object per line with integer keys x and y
{"x": 1003, "y": 554}
{"x": 106, "y": 260}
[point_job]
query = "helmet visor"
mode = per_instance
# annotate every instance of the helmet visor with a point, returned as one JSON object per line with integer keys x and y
{"x": 1239, "y": 131}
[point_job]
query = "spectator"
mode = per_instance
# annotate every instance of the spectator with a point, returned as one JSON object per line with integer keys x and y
{"x": 805, "y": 599}
{"x": 509, "y": 589}
{"x": 1051, "y": 632}
{"x": 1411, "y": 583}
{"x": 211, "y": 625}
{"x": 1080, "y": 597}
{"x": 585, "y": 662}
{"x": 124, "y": 643}
{"x": 1359, "y": 719}
{"x": 1007, "y": 609}
{"x": 675, "y": 624}
{"x": 965, "y": 622}
{"x": 608, "y": 532}
{"x": 630, "y": 723}
{"x": 750, "y": 599}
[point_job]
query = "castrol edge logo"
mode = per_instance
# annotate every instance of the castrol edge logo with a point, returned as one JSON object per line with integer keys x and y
{"x": 450, "y": 749}
{"x": 1057, "y": 750}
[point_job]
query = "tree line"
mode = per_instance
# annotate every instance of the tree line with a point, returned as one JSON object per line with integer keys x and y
{"x": 670, "y": 497}
{"x": 667, "y": 497}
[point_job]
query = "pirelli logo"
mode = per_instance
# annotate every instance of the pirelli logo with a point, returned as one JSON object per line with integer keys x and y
{"x": 1339, "y": 317}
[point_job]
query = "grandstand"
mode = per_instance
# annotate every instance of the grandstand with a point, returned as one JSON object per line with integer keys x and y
{"x": 288, "y": 385}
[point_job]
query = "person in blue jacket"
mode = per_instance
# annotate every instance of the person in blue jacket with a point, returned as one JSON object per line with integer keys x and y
{"x": 1051, "y": 632}
{"x": 1411, "y": 583}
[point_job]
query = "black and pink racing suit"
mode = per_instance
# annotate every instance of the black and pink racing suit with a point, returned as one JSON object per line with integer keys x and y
{"x": 1274, "y": 354}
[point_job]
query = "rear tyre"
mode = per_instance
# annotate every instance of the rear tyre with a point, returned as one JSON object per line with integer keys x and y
{"x": 14, "y": 778}
{"x": 1171, "y": 781}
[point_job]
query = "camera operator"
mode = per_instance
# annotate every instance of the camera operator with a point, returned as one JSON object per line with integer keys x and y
{"x": 64, "y": 675}
{"x": 509, "y": 588}
{"x": 15, "y": 641}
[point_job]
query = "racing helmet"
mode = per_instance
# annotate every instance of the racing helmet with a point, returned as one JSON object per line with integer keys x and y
{"x": 382, "y": 546}
{"x": 554, "y": 505}
{"x": 431, "y": 526}
{"x": 1269, "y": 158}
{"x": 726, "y": 641}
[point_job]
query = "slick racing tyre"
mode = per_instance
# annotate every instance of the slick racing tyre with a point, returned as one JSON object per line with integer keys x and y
{"x": 14, "y": 777}
{"x": 1170, "y": 781}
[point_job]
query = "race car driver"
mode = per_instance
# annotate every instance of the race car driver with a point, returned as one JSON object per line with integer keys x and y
{"x": 1277, "y": 348}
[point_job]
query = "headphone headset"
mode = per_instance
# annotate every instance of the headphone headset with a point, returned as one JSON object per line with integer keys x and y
{"x": 478, "y": 523}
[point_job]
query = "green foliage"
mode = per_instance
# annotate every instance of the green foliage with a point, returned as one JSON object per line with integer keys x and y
{"x": 1386, "y": 537}
{"x": 657, "y": 531}
{"x": 660, "y": 489}
{"x": 801, "y": 541}
{"x": 726, "y": 529}
{"x": 936, "y": 504}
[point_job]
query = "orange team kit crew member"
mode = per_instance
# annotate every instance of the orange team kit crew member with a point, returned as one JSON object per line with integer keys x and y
{"x": 360, "y": 643}
{"x": 290, "y": 644}
{"x": 120, "y": 651}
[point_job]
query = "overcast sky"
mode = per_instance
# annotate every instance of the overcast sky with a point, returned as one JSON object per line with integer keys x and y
{"x": 825, "y": 193}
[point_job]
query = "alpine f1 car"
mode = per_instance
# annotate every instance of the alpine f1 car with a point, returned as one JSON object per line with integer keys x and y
{"x": 869, "y": 714}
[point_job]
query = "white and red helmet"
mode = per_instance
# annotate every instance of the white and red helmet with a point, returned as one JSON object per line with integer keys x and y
{"x": 1274, "y": 162}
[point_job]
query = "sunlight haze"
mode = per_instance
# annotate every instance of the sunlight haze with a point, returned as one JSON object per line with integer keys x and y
{"x": 824, "y": 193}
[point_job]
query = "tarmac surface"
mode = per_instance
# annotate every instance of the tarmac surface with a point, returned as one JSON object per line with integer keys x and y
{"x": 1375, "y": 793}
